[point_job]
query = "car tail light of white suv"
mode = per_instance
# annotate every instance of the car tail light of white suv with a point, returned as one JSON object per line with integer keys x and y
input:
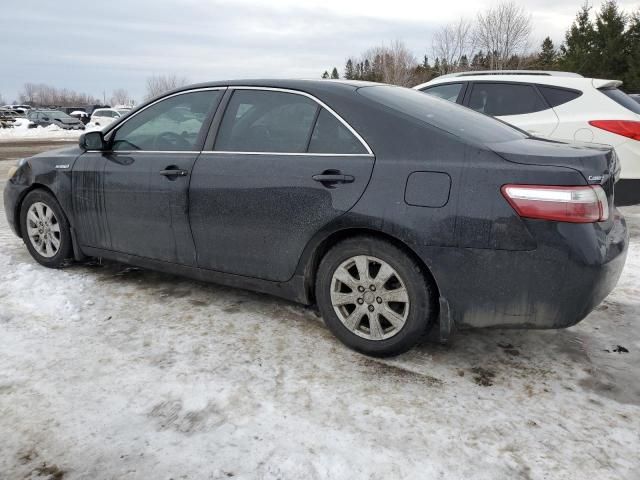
{"x": 626, "y": 128}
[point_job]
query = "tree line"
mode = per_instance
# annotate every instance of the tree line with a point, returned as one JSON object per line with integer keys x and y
{"x": 43, "y": 95}
{"x": 602, "y": 44}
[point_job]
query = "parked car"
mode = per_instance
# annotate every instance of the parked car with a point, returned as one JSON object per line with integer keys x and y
{"x": 44, "y": 118}
{"x": 81, "y": 115}
{"x": 392, "y": 210}
{"x": 23, "y": 109}
{"x": 104, "y": 116}
{"x": 556, "y": 105}
{"x": 7, "y": 118}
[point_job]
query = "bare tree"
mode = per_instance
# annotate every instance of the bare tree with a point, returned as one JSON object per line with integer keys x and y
{"x": 451, "y": 43}
{"x": 120, "y": 97}
{"x": 503, "y": 31}
{"x": 29, "y": 90}
{"x": 393, "y": 64}
{"x": 46, "y": 95}
{"x": 159, "y": 84}
{"x": 398, "y": 64}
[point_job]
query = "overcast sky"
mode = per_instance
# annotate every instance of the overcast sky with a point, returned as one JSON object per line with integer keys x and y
{"x": 96, "y": 46}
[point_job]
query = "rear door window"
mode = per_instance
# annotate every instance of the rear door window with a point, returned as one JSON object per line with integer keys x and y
{"x": 449, "y": 91}
{"x": 504, "y": 99}
{"x": 266, "y": 121}
{"x": 557, "y": 96}
{"x": 622, "y": 98}
{"x": 331, "y": 136}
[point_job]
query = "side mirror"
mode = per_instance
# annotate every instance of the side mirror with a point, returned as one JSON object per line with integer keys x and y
{"x": 92, "y": 141}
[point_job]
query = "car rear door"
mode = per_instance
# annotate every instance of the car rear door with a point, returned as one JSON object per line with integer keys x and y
{"x": 133, "y": 198}
{"x": 519, "y": 104}
{"x": 282, "y": 167}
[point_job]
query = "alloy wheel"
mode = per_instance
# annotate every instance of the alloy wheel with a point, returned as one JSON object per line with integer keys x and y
{"x": 369, "y": 297}
{"x": 43, "y": 229}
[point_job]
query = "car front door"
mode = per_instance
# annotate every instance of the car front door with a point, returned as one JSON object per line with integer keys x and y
{"x": 133, "y": 198}
{"x": 282, "y": 167}
{"x": 519, "y": 104}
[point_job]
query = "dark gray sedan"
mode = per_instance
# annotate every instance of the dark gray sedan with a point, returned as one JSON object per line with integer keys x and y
{"x": 392, "y": 210}
{"x": 46, "y": 117}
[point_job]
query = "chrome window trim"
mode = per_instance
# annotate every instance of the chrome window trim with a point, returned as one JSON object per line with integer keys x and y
{"x": 111, "y": 128}
{"x": 110, "y": 152}
{"x": 319, "y": 102}
{"x": 295, "y": 154}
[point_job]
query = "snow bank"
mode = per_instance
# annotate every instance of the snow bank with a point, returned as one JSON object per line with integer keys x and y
{"x": 52, "y": 132}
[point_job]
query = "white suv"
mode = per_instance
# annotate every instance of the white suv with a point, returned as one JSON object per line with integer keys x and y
{"x": 556, "y": 105}
{"x": 104, "y": 116}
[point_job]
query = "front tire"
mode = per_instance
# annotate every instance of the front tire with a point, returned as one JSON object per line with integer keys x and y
{"x": 45, "y": 229}
{"x": 374, "y": 297}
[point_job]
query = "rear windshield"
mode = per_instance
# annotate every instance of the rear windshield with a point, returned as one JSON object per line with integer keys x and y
{"x": 459, "y": 121}
{"x": 622, "y": 98}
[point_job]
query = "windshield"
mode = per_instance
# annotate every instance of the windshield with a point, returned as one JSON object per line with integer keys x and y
{"x": 454, "y": 119}
{"x": 55, "y": 114}
{"x": 622, "y": 98}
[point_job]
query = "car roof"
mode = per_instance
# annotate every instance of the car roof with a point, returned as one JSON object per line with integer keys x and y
{"x": 572, "y": 81}
{"x": 303, "y": 85}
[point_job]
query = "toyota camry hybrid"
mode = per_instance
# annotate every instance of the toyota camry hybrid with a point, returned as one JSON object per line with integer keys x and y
{"x": 393, "y": 211}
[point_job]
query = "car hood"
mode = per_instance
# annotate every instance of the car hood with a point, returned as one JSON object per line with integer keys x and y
{"x": 593, "y": 161}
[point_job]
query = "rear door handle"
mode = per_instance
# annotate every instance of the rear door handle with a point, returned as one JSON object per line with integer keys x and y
{"x": 330, "y": 178}
{"x": 174, "y": 172}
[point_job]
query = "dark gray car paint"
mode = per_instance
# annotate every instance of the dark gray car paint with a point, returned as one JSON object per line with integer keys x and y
{"x": 491, "y": 267}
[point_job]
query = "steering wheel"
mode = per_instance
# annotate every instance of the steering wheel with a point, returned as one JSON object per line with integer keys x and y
{"x": 171, "y": 140}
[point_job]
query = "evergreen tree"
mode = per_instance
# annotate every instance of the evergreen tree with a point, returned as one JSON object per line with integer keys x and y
{"x": 479, "y": 61}
{"x": 632, "y": 39}
{"x": 348, "y": 70}
{"x": 425, "y": 63}
{"x": 436, "y": 67}
{"x": 464, "y": 63}
{"x": 366, "y": 70}
{"x": 547, "y": 57}
{"x": 334, "y": 73}
{"x": 577, "y": 51}
{"x": 609, "y": 42}
{"x": 325, "y": 75}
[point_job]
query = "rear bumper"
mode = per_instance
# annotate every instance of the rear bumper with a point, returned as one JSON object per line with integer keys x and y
{"x": 554, "y": 286}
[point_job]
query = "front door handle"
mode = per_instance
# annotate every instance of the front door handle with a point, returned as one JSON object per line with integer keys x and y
{"x": 174, "y": 172}
{"x": 331, "y": 177}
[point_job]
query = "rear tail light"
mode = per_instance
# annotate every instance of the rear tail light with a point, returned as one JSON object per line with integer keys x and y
{"x": 586, "y": 204}
{"x": 626, "y": 128}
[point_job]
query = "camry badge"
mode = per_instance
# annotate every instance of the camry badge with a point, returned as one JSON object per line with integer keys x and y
{"x": 595, "y": 178}
{"x": 63, "y": 166}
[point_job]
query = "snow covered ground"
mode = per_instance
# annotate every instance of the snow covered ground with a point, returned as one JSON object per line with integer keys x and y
{"x": 108, "y": 372}
{"x": 52, "y": 132}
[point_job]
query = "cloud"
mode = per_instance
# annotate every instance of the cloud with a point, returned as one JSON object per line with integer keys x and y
{"x": 100, "y": 46}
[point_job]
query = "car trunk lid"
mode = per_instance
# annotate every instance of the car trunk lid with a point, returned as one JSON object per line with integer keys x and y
{"x": 598, "y": 164}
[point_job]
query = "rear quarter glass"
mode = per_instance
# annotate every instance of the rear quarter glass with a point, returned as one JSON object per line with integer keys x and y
{"x": 622, "y": 98}
{"x": 442, "y": 114}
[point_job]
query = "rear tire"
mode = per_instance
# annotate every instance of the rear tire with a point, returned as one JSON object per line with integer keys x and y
{"x": 45, "y": 229}
{"x": 384, "y": 311}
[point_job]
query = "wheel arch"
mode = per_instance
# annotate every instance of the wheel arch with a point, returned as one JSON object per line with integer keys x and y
{"x": 23, "y": 195}
{"x": 321, "y": 247}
